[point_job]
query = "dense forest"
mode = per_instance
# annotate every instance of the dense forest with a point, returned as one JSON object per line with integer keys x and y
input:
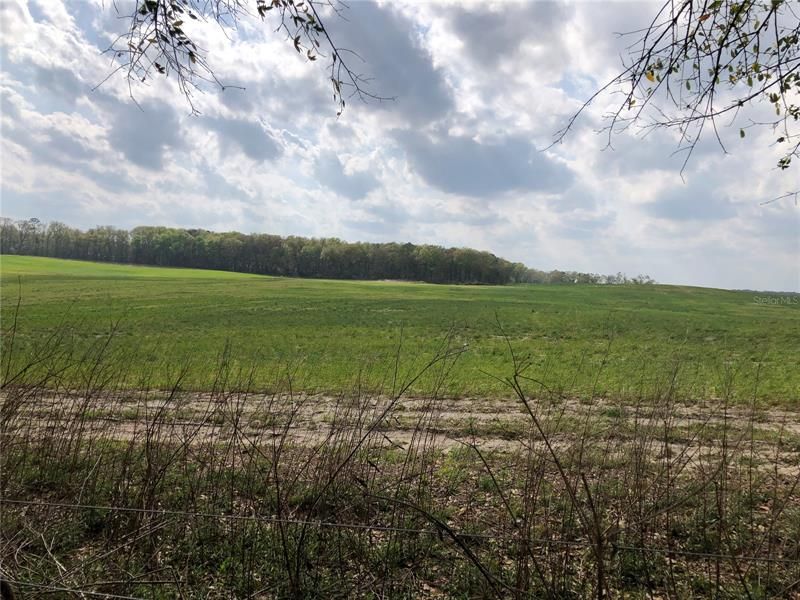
{"x": 275, "y": 255}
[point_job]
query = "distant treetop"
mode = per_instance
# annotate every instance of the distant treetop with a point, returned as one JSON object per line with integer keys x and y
{"x": 291, "y": 256}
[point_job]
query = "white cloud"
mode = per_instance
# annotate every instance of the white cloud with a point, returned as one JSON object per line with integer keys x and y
{"x": 481, "y": 88}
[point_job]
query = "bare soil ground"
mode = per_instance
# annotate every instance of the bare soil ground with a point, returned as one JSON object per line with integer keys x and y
{"x": 499, "y": 425}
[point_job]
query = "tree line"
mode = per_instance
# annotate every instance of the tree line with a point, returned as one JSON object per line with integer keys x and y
{"x": 267, "y": 254}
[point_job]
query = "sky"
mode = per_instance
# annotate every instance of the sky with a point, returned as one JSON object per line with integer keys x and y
{"x": 463, "y": 155}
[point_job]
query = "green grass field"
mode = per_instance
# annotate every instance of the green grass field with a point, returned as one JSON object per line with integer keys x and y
{"x": 620, "y": 340}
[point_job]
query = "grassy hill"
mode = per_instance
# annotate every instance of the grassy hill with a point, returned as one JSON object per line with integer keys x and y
{"x": 616, "y": 340}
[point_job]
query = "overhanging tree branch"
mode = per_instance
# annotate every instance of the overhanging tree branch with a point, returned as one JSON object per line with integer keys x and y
{"x": 699, "y": 60}
{"x": 158, "y": 41}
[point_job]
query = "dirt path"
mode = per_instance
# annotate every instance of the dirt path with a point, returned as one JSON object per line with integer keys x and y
{"x": 494, "y": 424}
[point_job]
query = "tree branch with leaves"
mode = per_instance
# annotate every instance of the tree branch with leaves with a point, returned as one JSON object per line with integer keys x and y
{"x": 699, "y": 61}
{"x": 157, "y": 41}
